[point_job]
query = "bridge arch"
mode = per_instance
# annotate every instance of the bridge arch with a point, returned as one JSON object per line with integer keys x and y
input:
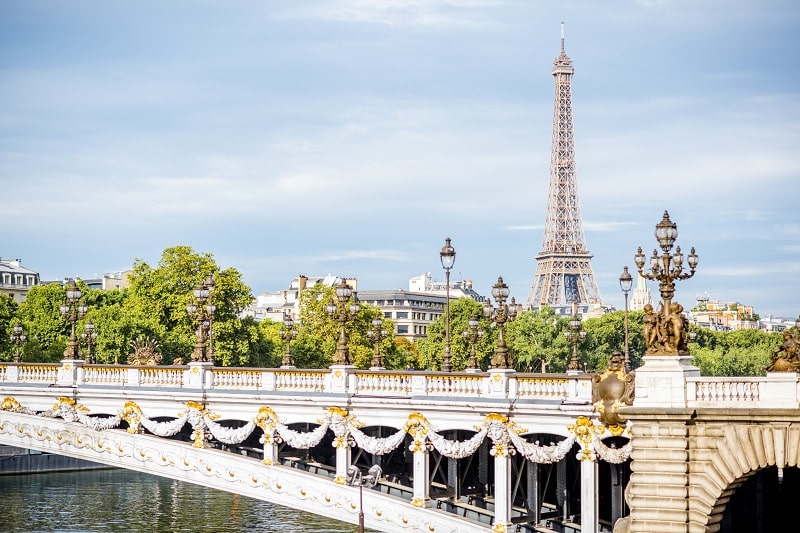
{"x": 726, "y": 456}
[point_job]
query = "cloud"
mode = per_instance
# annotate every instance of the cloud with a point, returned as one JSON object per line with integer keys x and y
{"x": 417, "y": 13}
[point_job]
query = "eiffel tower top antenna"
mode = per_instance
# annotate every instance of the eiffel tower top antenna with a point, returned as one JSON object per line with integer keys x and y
{"x": 563, "y": 267}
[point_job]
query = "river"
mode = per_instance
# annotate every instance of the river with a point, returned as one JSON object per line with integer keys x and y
{"x": 106, "y": 501}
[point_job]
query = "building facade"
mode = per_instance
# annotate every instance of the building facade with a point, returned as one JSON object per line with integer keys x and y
{"x": 15, "y": 279}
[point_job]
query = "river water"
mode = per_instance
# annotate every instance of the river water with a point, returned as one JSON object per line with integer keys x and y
{"x": 105, "y": 501}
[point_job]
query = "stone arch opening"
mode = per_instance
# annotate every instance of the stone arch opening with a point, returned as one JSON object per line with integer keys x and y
{"x": 761, "y": 501}
{"x": 725, "y": 458}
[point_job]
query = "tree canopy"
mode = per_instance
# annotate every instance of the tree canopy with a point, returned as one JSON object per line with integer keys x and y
{"x": 154, "y": 307}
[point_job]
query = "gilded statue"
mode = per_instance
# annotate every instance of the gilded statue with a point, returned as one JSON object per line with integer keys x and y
{"x": 786, "y": 357}
{"x": 611, "y": 390}
{"x": 666, "y": 333}
{"x": 145, "y": 352}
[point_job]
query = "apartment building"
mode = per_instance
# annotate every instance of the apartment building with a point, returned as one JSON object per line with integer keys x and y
{"x": 15, "y": 279}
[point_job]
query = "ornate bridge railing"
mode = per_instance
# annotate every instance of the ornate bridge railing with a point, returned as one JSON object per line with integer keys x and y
{"x": 404, "y": 384}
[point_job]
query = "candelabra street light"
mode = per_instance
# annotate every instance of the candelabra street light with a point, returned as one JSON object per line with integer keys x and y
{"x": 202, "y": 312}
{"x": 73, "y": 309}
{"x": 472, "y": 334}
{"x": 377, "y": 334}
{"x": 89, "y": 336}
{"x": 17, "y": 339}
{"x": 666, "y": 334}
{"x": 500, "y": 315}
{"x": 575, "y": 334}
{"x": 346, "y": 309}
{"x": 288, "y": 334}
{"x": 355, "y": 478}
{"x": 448, "y": 257}
{"x": 625, "y": 283}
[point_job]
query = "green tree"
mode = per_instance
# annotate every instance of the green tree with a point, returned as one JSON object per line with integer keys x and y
{"x": 537, "y": 342}
{"x": 8, "y": 308}
{"x": 318, "y": 333}
{"x": 430, "y": 350}
{"x": 606, "y": 335}
{"x": 158, "y": 298}
{"x": 744, "y": 352}
{"x": 47, "y": 331}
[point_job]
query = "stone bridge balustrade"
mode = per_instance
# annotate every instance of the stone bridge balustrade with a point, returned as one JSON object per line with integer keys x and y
{"x": 498, "y": 384}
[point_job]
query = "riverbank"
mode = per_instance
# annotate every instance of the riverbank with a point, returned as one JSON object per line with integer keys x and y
{"x": 15, "y": 461}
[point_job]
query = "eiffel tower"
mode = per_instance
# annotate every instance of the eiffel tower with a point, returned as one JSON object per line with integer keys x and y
{"x": 563, "y": 267}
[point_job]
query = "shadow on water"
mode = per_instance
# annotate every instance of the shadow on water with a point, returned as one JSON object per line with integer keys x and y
{"x": 110, "y": 501}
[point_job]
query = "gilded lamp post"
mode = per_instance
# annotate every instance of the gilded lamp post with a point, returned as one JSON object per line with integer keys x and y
{"x": 448, "y": 258}
{"x": 202, "y": 311}
{"x": 625, "y": 283}
{"x": 665, "y": 330}
{"x": 73, "y": 309}
{"x": 575, "y": 335}
{"x": 344, "y": 308}
{"x": 376, "y": 334}
{"x": 89, "y": 337}
{"x": 500, "y": 315}
{"x": 288, "y": 334}
{"x": 17, "y": 339}
{"x": 472, "y": 334}
{"x": 356, "y": 479}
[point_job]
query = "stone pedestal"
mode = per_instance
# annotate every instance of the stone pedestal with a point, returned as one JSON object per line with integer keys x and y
{"x": 782, "y": 389}
{"x": 195, "y": 377}
{"x": 661, "y": 381}
{"x": 337, "y": 381}
{"x": 497, "y": 386}
{"x": 68, "y": 372}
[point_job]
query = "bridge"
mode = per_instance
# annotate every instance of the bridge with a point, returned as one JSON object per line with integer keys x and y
{"x": 495, "y": 451}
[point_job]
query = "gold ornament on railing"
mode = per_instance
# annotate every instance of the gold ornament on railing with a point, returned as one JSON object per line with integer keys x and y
{"x": 611, "y": 390}
{"x": 145, "y": 352}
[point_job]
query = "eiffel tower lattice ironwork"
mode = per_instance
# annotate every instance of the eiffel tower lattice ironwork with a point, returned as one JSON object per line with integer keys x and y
{"x": 563, "y": 267}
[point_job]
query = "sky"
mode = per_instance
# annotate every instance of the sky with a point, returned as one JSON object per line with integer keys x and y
{"x": 351, "y": 137}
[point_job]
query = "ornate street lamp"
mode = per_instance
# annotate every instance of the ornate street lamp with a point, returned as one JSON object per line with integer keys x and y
{"x": 346, "y": 309}
{"x": 89, "y": 336}
{"x": 355, "y": 478}
{"x": 17, "y": 339}
{"x": 500, "y": 315}
{"x": 472, "y": 334}
{"x": 666, "y": 334}
{"x": 288, "y": 334}
{"x": 448, "y": 257}
{"x": 575, "y": 334}
{"x": 377, "y": 334}
{"x": 73, "y": 309}
{"x": 202, "y": 312}
{"x": 625, "y": 283}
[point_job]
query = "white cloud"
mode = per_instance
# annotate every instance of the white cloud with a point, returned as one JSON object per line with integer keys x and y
{"x": 420, "y": 13}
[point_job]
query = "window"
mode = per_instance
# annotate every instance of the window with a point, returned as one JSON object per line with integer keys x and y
{"x": 402, "y": 329}
{"x": 402, "y": 314}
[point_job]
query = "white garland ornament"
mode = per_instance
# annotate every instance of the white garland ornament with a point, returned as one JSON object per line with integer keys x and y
{"x": 542, "y": 454}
